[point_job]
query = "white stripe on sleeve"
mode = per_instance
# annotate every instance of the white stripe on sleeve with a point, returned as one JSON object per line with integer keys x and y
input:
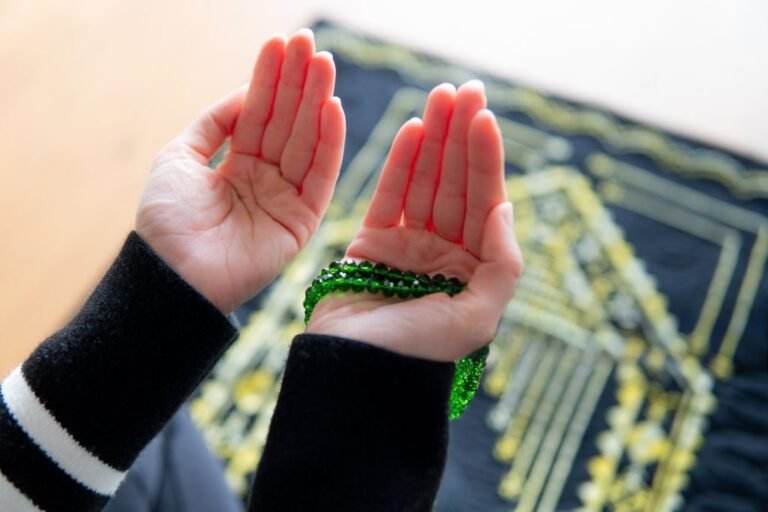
{"x": 54, "y": 440}
{"x": 12, "y": 499}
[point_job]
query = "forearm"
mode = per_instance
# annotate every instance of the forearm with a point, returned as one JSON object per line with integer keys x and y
{"x": 75, "y": 415}
{"x": 355, "y": 428}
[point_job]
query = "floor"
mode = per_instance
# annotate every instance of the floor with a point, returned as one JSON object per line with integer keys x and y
{"x": 90, "y": 90}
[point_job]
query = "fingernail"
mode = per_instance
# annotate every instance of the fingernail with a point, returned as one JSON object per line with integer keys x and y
{"x": 305, "y": 31}
{"x": 445, "y": 86}
{"x": 476, "y": 83}
{"x": 326, "y": 53}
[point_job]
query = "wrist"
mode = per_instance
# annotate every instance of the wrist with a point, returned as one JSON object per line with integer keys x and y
{"x": 174, "y": 258}
{"x": 336, "y": 315}
{"x": 382, "y": 322}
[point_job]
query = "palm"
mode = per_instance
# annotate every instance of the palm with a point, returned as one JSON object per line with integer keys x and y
{"x": 417, "y": 250}
{"x": 230, "y": 230}
{"x": 440, "y": 207}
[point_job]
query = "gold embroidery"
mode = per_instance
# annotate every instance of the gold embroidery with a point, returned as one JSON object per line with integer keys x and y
{"x": 532, "y": 411}
{"x": 718, "y": 222}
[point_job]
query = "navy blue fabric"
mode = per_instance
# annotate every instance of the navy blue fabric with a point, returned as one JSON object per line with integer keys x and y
{"x": 175, "y": 472}
{"x": 733, "y": 469}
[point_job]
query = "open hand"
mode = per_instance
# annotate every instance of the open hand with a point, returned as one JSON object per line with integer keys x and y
{"x": 440, "y": 207}
{"x": 229, "y": 231}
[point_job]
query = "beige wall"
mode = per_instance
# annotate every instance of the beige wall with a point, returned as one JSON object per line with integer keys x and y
{"x": 90, "y": 90}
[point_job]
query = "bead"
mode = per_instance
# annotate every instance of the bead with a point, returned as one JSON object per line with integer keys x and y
{"x": 358, "y": 284}
{"x": 380, "y": 269}
{"x": 438, "y": 279}
{"x": 373, "y": 286}
{"x": 424, "y": 279}
{"x": 453, "y": 286}
{"x": 341, "y": 283}
{"x": 349, "y": 267}
{"x": 451, "y": 291}
{"x": 388, "y": 288}
{"x": 409, "y": 277}
{"x": 365, "y": 268}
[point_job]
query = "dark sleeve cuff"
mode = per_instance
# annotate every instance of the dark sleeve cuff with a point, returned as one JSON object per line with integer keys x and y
{"x": 356, "y": 427}
{"x": 137, "y": 349}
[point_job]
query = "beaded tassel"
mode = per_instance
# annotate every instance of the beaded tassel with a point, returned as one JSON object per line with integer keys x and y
{"x": 378, "y": 278}
{"x": 466, "y": 380}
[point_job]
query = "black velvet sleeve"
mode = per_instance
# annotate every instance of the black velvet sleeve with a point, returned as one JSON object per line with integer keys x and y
{"x": 88, "y": 399}
{"x": 126, "y": 362}
{"x": 356, "y": 428}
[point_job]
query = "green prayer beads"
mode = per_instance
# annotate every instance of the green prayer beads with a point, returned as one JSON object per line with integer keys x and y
{"x": 366, "y": 276}
{"x": 466, "y": 380}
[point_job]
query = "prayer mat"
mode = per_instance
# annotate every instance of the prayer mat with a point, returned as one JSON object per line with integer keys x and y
{"x": 630, "y": 371}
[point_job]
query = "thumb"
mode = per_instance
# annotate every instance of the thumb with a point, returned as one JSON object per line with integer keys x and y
{"x": 493, "y": 283}
{"x": 207, "y": 133}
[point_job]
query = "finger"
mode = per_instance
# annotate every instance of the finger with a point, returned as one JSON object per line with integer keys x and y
{"x": 318, "y": 185}
{"x": 258, "y": 102}
{"x": 386, "y": 208}
{"x": 485, "y": 178}
{"x": 209, "y": 131}
{"x": 450, "y": 200}
{"x": 493, "y": 282}
{"x": 298, "y": 54}
{"x": 421, "y": 189}
{"x": 318, "y": 88}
